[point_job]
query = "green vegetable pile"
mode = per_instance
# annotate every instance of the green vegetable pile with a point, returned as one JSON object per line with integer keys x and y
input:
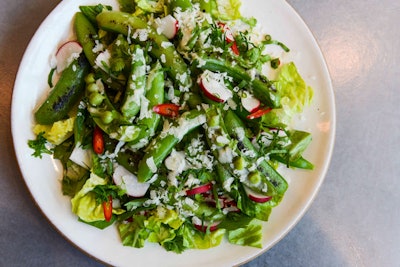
{"x": 153, "y": 129}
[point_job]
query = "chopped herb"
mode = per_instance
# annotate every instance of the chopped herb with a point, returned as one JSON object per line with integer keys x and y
{"x": 39, "y": 145}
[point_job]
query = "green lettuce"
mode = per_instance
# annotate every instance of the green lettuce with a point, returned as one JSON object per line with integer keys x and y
{"x": 294, "y": 95}
{"x": 225, "y": 9}
{"x": 198, "y": 240}
{"x": 84, "y": 203}
{"x": 134, "y": 233}
{"x": 251, "y": 235}
{"x": 166, "y": 228}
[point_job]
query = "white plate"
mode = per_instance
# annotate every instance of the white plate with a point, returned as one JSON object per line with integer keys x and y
{"x": 43, "y": 176}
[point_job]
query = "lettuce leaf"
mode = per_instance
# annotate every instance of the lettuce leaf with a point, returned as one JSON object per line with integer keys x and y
{"x": 294, "y": 93}
{"x": 84, "y": 203}
{"x": 134, "y": 233}
{"x": 251, "y": 235}
{"x": 194, "y": 239}
{"x": 227, "y": 9}
{"x": 57, "y": 132}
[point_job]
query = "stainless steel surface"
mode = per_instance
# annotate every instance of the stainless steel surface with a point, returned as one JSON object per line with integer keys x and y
{"x": 355, "y": 219}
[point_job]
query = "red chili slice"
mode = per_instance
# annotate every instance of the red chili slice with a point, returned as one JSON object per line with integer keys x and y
{"x": 258, "y": 113}
{"x": 229, "y": 37}
{"x": 98, "y": 141}
{"x": 167, "y": 109}
{"x": 107, "y": 209}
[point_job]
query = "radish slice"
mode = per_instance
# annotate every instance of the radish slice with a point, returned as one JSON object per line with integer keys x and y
{"x": 206, "y": 225}
{"x": 228, "y": 33}
{"x": 229, "y": 37}
{"x": 213, "y": 86}
{"x": 250, "y": 103}
{"x": 256, "y": 197}
{"x": 129, "y": 182}
{"x": 82, "y": 157}
{"x": 66, "y": 53}
{"x": 167, "y": 26}
{"x": 199, "y": 190}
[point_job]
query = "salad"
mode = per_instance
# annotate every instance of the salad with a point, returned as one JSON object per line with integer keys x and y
{"x": 171, "y": 118}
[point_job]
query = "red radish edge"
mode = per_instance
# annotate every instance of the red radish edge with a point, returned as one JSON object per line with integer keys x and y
{"x": 167, "y": 26}
{"x": 229, "y": 37}
{"x": 214, "y": 89}
{"x": 204, "y": 226}
{"x": 64, "y": 53}
{"x": 256, "y": 197}
{"x": 250, "y": 103}
{"x": 199, "y": 190}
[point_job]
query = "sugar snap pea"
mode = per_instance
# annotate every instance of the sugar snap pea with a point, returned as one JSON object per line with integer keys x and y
{"x": 235, "y": 127}
{"x": 85, "y": 33}
{"x": 224, "y": 147}
{"x": 65, "y": 94}
{"x": 135, "y": 89}
{"x": 261, "y": 87}
{"x": 182, "y": 4}
{"x": 150, "y": 120}
{"x": 106, "y": 116}
{"x": 163, "y": 144}
{"x": 87, "y": 36}
{"x": 161, "y": 47}
{"x": 92, "y": 11}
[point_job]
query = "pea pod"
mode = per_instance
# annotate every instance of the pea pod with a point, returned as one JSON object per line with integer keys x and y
{"x": 163, "y": 144}
{"x": 150, "y": 120}
{"x": 65, "y": 94}
{"x": 161, "y": 47}
{"x": 237, "y": 162}
{"x": 136, "y": 85}
{"x": 85, "y": 32}
{"x": 106, "y": 116}
{"x": 182, "y": 4}
{"x": 92, "y": 11}
{"x": 260, "y": 87}
{"x": 236, "y": 128}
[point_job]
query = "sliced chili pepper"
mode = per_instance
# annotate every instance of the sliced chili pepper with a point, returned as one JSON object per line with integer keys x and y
{"x": 167, "y": 109}
{"x": 235, "y": 48}
{"x": 229, "y": 37}
{"x": 258, "y": 113}
{"x": 107, "y": 209}
{"x": 98, "y": 141}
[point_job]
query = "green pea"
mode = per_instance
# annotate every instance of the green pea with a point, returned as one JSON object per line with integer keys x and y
{"x": 239, "y": 163}
{"x": 90, "y": 78}
{"x": 95, "y": 99}
{"x": 254, "y": 178}
{"x": 107, "y": 117}
{"x": 92, "y": 88}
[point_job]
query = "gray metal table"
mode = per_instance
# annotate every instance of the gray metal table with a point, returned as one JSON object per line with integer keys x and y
{"x": 355, "y": 219}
